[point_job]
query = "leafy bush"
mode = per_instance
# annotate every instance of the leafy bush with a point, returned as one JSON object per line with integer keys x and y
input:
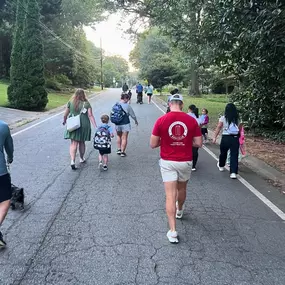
{"x": 63, "y": 79}
{"x": 52, "y": 83}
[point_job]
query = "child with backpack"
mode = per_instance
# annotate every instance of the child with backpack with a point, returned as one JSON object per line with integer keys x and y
{"x": 102, "y": 141}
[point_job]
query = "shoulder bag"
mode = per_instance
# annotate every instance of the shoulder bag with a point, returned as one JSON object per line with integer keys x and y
{"x": 73, "y": 122}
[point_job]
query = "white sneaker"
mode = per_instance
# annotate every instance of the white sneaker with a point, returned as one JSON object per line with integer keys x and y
{"x": 100, "y": 165}
{"x": 179, "y": 213}
{"x": 82, "y": 160}
{"x": 194, "y": 169}
{"x": 220, "y": 168}
{"x": 172, "y": 237}
{"x": 233, "y": 176}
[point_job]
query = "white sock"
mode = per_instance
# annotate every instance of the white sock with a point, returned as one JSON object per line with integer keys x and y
{"x": 72, "y": 162}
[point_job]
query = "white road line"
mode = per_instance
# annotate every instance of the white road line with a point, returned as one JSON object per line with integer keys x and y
{"x": 43, "y": 121}
{"x": 252, "y": 189}
{"x": 34, "y": 125}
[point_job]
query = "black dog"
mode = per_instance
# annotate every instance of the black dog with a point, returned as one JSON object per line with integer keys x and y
{"x": 18, "y": 197}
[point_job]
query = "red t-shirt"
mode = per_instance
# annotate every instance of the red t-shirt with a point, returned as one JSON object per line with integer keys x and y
{"x": 176, "y": 131}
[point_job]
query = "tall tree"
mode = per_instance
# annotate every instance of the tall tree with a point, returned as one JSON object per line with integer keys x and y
{"x": 114, "y": 67}
{"x": 156, "y": 59}
{"x": 17, "y": 65}
{"x": 34, "y": 95}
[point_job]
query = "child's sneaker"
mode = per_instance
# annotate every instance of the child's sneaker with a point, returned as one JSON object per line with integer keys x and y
{"x": 100, "y": 164}
{"x": 119, "y": 152}
{"x": 105, "y": 167}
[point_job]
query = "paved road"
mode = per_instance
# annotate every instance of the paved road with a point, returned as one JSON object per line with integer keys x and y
{"x": 91, "y": 227}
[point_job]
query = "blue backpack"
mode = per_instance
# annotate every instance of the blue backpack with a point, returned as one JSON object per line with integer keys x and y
{"x": 117, "y": 114}
{"x": 102, "y": 138}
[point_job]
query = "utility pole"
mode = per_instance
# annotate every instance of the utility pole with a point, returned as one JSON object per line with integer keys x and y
{"x": 101, "y": 62}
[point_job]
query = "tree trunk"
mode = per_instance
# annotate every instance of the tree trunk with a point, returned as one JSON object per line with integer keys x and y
{"x": 194, "y": 85}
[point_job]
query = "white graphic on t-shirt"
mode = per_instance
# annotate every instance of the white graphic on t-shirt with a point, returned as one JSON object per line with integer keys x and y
{"x": 177, "y": 131}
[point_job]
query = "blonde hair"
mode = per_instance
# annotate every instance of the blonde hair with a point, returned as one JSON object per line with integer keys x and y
{"x": 79, "y": 96}
{"x": 105, "y": 119}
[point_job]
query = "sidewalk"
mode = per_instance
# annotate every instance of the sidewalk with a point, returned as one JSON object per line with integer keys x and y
{"x": 17, "y": 117}
{"x": 258, "y": 166}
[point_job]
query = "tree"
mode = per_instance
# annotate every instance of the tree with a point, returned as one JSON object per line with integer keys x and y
{"x": 34, "y": 95}
{"x": 17, "y": 65}
{"x": 154, "y": 55}
{"x": 114, "y": 67}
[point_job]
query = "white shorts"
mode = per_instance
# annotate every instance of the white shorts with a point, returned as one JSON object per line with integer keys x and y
{"x": 175, "y": 170}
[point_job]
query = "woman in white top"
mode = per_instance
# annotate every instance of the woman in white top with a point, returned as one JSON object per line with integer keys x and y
{"x": 193, "y": 111}
{"x": 230, "y": 126}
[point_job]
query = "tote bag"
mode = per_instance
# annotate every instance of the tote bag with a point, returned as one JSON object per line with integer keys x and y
{"x": 73, "y": 122}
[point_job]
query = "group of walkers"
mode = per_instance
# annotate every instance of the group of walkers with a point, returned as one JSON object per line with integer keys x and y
{"x": 120, "y": 116}
{"x": 179, "y": 136}
{"x": 139, "y": 91}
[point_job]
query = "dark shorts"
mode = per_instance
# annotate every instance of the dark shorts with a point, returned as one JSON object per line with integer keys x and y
{"x": 204, "y": 131}
{"x": 105, "y": 151}
{"x": 140, "y": 93}
{"x": 149, "y": 94}
{"x": 5, "y": 188}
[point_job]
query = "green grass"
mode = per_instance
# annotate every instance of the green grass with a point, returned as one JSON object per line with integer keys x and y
{"x": 3, "y": 93}
{"x": 55, "y": 99}
{"x": 215, "y": 104}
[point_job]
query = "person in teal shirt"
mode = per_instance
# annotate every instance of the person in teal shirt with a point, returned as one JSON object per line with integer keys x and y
{"x": 6, "y": 143}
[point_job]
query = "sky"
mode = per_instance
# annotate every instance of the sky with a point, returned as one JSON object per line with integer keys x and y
{"x": 114, "y": 40}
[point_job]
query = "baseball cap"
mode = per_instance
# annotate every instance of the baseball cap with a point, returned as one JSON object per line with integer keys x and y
{"x": 176, "y": 97}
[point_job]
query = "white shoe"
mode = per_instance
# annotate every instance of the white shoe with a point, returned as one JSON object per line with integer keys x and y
{"x": 172, "y": 237}
{"x": 100, "y": 165}
{"x": 194, "y": 169}
{"x": 220, "y": 168}
{"x": 179, "y": 213}
{"x": 233, "y": 176}
{"x": 82, "y": 160}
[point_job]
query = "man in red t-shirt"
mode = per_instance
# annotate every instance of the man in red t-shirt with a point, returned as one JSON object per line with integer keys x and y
{"x": 175, "y": 133}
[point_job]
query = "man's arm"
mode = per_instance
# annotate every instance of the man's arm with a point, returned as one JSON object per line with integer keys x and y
{"x": 197, "y": 141}
{"x": 9, "y": 147}
{"x": 154, "y": 141}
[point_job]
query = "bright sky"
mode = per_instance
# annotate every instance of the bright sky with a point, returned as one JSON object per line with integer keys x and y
{"x": 114, "y": 40}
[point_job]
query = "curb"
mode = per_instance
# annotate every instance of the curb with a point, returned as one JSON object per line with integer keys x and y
{"x": 258, "y": 166}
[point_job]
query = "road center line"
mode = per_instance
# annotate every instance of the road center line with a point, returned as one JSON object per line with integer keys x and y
{"x": 252, "y": 189}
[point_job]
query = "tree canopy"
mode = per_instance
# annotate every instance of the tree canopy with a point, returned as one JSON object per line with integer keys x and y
{"x": 244, "y": 39}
